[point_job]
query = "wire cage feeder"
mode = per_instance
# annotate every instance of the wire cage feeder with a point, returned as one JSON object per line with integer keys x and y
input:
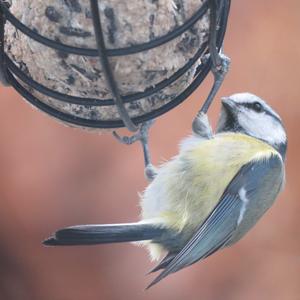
{"x": 12, "y": 75}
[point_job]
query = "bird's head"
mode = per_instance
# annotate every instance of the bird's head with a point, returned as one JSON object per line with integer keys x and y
{"x": 248, "y": 114}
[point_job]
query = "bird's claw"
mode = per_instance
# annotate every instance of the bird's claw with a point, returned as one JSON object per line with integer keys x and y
{"x": 222, "y": 67}
{"x": 150, "y": 172}
{"x": 127, "y": 140}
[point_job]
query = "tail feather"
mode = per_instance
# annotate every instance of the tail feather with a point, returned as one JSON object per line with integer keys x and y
{"x": 164, "y": 263}
{"x": 102, "y": 234}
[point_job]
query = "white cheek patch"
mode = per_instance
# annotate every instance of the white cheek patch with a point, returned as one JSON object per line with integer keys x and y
{"x": 262, "y": 126}
{"x": 245, "y": 201}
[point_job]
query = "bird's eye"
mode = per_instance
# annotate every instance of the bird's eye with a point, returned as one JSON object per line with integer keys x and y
{"x": 257, "y": 107}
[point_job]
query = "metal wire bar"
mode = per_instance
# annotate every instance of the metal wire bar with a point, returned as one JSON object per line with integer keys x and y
{"x": 109, "y": 123}
{"x": 3, "y": 66}
{"x": 103, "y": 102}
{"x": 213, "y": 50}
{"x": 109, "y": 75}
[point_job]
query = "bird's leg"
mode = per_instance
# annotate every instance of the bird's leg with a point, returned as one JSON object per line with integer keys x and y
{"x": 220, "y": 62}
{"x": 143, "y": 136}
{"x": 220, "y": 66}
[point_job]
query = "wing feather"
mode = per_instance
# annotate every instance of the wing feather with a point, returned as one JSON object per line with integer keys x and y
{"x": 220, "y": 226}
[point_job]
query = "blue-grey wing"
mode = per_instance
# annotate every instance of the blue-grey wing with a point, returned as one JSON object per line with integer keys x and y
{"x": 241, "y": 205}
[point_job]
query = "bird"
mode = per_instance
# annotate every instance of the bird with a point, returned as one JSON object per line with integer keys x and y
{"x": 208, "y": 196}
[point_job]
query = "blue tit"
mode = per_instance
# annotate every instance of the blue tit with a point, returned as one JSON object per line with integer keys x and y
{"x": 209, "y": 195}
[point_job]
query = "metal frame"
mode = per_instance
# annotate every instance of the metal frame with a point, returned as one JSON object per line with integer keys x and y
{"x": 12, "y": 75}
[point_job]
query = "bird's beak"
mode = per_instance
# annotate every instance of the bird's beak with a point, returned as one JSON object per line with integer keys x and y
{"x": 229, "y": 104}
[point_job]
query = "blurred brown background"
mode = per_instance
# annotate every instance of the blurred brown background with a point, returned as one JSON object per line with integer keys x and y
{"x": 54, "y": 176}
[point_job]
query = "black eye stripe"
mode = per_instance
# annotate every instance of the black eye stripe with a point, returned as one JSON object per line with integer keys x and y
{"x": 250, "y": 105}
{"x": 256, "y": 106}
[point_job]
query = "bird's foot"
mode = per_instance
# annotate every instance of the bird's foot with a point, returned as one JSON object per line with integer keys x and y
{"x": 142, "y": 135}
{"x": 201, "y": 126}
